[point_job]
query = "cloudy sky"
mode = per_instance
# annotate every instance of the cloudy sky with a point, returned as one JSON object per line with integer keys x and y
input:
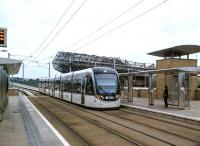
{"x": 128, "y": 29}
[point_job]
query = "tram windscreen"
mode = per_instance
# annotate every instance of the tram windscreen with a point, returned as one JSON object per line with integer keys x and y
{"x": 106, "y": 84}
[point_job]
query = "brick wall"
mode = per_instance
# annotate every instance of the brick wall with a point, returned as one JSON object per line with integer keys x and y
{"x": 174, "y": 63}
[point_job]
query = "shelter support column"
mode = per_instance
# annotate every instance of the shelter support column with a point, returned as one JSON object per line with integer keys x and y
{"x": 130, "y": 88}
{"x": 181, "y": 95}
{"x": 151, "y": 89}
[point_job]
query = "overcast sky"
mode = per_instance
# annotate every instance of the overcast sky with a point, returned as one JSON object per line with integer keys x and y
{"x": 176, "y": 22}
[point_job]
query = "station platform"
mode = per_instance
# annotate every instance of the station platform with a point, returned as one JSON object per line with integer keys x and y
{"x": 23, "y": 125}
{"x": 191, "y": 112}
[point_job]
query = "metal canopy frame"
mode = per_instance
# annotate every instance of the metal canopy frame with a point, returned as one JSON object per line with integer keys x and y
{"x": 67, "y": 61}
{"x": 151, "y": 73}
{"x": 171, "y": 70}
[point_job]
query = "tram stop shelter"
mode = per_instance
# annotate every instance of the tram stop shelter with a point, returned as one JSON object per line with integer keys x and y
{"x": 11, "y": 66}
{"x": 7, "y": 67}
{"x": 178, "y": 73}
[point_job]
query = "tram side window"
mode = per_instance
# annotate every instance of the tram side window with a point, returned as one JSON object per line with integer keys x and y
{"x": 57, "y": 84}
{"x": 76, "y": 85}
{"x": 67, "y": 86}
{"x": 89, "y": 86}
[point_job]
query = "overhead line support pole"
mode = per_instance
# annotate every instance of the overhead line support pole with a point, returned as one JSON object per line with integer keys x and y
{"x": 49, "y": 69}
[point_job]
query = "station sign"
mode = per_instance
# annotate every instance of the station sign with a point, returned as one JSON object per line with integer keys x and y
{"x": 3, "y": 37}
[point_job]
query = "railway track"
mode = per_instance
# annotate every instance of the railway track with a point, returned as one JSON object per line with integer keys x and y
{"x": 111, "y": 134}
{"x": 61, "y": 123}
{"x": 171, "y": 129}
{"x": 135, "y": 127}
{"x": 185, "y": 136}
{"x": 154, "y": 116}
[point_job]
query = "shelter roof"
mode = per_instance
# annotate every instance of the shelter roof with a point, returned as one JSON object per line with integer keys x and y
{"x": 176, "y": 51}
{"x": 11, "y": 66}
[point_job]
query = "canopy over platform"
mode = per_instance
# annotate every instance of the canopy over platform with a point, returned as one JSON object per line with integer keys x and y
{"x": 176, "y": 51}
{"x": 67, "y": 61}
{"x": 195, "y": 70}
{"x": 11, "y": 66}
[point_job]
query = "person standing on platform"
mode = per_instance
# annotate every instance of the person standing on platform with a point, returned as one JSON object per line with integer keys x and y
{"x": 165, "y": 96}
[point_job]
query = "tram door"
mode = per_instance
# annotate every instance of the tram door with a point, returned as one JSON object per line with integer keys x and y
{"x": 83, "y": 88}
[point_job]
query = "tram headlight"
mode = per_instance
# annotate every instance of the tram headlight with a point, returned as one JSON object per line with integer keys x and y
{"x": 106, "y": 97}
{"x": 102, "y": 97}
{"x": 117, "y": 96}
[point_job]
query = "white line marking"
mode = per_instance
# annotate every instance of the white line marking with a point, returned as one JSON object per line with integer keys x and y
{"x": 60, "y": 137}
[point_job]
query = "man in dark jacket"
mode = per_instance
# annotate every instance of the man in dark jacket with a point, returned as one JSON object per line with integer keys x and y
{"x": 165, "y": 96}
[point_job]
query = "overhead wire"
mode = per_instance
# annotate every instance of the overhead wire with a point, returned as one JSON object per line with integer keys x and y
{"x": 60, "y": 29}
{"x": 121, "y": 25}
{"x": 105, "y": 24}
{"x": 59, "y": 20}
{"x": 39, "y": 64}
{"x": 118, "y": 27}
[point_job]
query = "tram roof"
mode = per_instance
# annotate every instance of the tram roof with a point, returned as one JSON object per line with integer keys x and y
{"x": 176, "y": 51}
{"x": 11, "y": 66}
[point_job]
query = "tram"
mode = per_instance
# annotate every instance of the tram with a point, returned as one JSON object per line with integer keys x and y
{"x": 96, "y": 87}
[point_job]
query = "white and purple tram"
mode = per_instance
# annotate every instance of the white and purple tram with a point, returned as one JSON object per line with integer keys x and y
{"x": 96, "y": 87}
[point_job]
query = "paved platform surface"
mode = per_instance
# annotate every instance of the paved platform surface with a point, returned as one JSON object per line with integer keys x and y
{"x": 193, "y": 112}
{"x": 23, "y": 126}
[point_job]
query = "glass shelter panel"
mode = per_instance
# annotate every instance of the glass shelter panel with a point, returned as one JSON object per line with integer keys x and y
{"x": 186, "y": 88}
{"x": 173, "y": 86}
